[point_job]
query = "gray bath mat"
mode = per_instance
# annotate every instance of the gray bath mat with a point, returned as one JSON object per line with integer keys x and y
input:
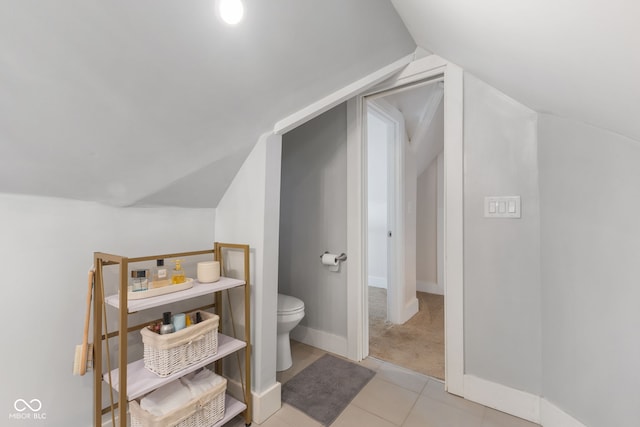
{"x": 323, "y": 389}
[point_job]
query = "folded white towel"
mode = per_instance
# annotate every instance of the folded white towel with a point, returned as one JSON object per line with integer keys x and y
{"x": 166, "y": 398}
{"x": 201, "y": 382}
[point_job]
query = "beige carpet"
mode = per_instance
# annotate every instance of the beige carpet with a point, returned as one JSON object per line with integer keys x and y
{"x": 418, "y": 344}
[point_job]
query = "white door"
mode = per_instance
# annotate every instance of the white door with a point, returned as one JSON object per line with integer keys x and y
{"x": 389, "y": 121}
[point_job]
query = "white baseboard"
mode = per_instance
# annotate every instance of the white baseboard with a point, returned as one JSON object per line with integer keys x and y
{"x": 552, "y": 416}
{"x": 429, "y": 287}
{"x": 320, "y": 339}
{"x": 410, "y": 310}
{"x": 517, "y": 403}
{"x": 265, "y": 404}
{"x": 506, "y": 399}
{"x": 378, "y": 282}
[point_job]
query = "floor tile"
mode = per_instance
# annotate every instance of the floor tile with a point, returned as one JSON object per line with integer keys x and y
{"x": 355, "y": 416}
{"x": 386, "y": 400}
{"x": 403, "y": 377}
{"x": 428, "y": 412}
{"x": 435, "y": 390}
{"x": 493, "y": 418}
{"x": 288, "y": 416}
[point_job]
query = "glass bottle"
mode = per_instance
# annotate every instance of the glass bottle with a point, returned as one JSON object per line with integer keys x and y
{"x": 160, "y": 276}
{"x": 177, "y": 275}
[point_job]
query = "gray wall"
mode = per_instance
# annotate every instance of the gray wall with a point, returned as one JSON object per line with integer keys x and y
{"x": 590, "y": 199}
{"x": 501, "y": 256}
{"x": 313, "y": 212}
{"x": 427, "y": 225}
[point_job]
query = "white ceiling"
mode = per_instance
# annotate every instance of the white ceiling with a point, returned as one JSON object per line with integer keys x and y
{"x": 423, "y": 110}
{"x": 576, "y": 58}
{"x": 417, "y": 105}
{"x": 156, "y": 102}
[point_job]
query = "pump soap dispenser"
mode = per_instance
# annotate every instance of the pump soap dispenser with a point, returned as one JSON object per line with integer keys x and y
{"x": 177, "y": 275}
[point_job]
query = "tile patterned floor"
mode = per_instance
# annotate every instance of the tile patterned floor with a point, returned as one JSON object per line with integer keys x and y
{"x": 395, "y": 397}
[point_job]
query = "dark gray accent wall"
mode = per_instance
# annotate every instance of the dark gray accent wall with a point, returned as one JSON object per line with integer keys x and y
{"x": 313, "y": 219}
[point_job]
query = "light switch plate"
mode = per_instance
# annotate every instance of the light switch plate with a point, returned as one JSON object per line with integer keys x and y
{"x": 502, "y": 207}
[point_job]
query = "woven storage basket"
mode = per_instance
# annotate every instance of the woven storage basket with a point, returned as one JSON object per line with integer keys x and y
{"x": 166, "y": 354}
{"x": 203, "y": 411}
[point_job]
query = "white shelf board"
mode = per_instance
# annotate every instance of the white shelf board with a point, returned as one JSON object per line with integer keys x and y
{"x": 141, "y": 381}
{"x": 232, "y": 407}
{"x": 197, "y": 290}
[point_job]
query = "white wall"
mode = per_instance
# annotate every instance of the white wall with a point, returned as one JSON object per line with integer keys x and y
{"x": 590, "y": 199}
{"x": 248, "y": 214}
{"x": 313, "y": 220}
{"x": 430, "y": 219}
{"x": 410, "y": 307}
{"x": 501, "y": 256}
{"x": 440, "y": 226}
{"x": 47, "y": 247}
{"x": 377, "y": 147}
{"x": 427, "y": 226}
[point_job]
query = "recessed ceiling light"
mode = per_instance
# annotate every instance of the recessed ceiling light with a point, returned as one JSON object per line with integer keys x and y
{"x": 231, "y": 11}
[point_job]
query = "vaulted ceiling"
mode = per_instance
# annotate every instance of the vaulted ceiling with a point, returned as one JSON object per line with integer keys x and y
{"x": 574, "y": 58}
{"x": 157, "y": 102}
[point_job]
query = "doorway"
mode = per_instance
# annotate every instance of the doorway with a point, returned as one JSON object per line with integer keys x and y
{"x": 385, "y": 139}
{"x": 405, "y": 142}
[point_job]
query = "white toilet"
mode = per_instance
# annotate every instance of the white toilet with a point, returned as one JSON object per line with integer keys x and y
{"x": 290, "y": 313}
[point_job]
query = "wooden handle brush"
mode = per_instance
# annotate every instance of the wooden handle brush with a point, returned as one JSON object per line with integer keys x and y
{"x": 84, "y": 352}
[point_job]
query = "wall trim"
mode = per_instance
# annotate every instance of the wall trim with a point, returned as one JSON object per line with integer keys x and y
{"x": 410, "y": 310}
{"x": 429, "y": 67}
{"x": 340, "y": 96}
{"x": 506, "y": 399}
{"x": 326, "y": 341}
{"x": 517, "y": 403}
{"x": 552, "y": 416}
{"x": 378, "y": 282}
{"x": 429, "y": 287}
{"x": 265, "y": 404}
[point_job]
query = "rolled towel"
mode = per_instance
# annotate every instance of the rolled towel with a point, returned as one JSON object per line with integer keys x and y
{"x": 201, "y": 382}
{"x": 166, "y": 399}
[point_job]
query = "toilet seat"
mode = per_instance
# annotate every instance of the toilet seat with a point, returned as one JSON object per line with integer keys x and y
{"x": 289, "y": 305}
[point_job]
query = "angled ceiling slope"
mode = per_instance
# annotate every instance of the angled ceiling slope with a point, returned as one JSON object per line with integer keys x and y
{"x": 156, "y": 102}
{"x": 575, "y": 59}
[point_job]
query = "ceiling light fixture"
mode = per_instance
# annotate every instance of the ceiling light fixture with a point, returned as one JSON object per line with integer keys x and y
{"x": 231, "y": 11}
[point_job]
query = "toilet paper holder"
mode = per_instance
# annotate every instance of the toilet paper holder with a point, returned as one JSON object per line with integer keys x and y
{"x": 341, "y": 257}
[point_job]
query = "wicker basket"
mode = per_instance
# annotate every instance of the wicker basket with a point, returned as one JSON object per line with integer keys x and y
{"x": 166, "y": 354}
{"x": 203, "y": 411}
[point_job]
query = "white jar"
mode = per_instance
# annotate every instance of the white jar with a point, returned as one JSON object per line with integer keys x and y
{"x": 208, "y": 271}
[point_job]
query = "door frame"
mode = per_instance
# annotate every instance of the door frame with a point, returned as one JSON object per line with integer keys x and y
{"x": 395, "y": 217}
{"x": 426, "y": 68}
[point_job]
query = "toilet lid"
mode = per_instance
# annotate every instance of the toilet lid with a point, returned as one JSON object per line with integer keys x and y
{"x": 288, "y": 304}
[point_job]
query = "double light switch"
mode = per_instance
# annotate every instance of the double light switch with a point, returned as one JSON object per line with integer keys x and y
{"x": 502, "y": 207}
